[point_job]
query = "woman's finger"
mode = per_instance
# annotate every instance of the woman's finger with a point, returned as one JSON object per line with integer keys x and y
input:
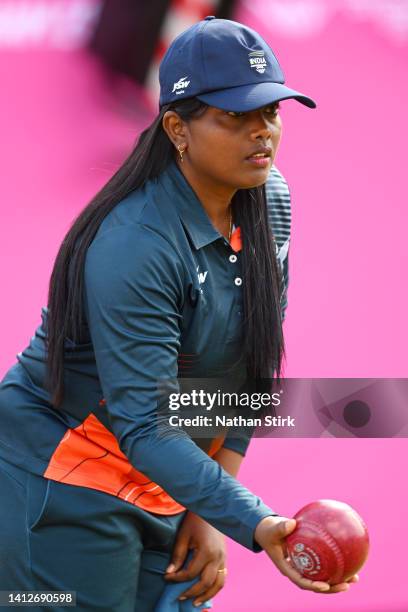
{"x": 343, "y": 586}
{"x": 178, "y": 556}
{"x": 213, "y": 590}
{"x": 193, "y": 569}
{"x": 337, "y": 588}
{"x": 354, "y": 578}
{"x": 209, "y": 577}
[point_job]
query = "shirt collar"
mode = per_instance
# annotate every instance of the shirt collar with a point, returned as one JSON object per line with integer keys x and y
{"x": 192, "y": 213}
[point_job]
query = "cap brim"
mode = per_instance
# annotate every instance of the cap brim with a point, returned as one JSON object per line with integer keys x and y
{"x": 245, "y": 98}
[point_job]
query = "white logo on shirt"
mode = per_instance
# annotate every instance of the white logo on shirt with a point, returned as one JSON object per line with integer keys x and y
{"x": 180, "y": 86}
{"x": 282, "y": 252}
{"x": 201, "y": 275}
{"x": 257, "y": 60}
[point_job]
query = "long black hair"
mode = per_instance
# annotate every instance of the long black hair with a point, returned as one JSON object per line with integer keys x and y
{"x": 263, "y": 338}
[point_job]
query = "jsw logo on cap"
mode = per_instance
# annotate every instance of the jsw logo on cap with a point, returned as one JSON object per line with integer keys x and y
{"x": 180, "y": 85}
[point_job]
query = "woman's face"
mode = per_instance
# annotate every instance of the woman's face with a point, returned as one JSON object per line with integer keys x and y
{"x": 235, "y": 150}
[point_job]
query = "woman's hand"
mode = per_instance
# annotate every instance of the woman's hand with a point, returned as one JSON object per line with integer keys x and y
{"x": 270, "y": 533}
{"x": 208, "y": 557}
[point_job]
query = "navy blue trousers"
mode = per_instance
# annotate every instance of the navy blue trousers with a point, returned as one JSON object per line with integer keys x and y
{"x": 60, "y": 537}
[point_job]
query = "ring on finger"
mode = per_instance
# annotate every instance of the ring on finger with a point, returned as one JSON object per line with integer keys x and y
{"x": 223, "y": 571}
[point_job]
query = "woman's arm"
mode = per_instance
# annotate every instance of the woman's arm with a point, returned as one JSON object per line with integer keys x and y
{"x": 229, "y": 460}
{"x": 134, "y": 291}
{"x": 133, "y": 299}
{"x": 208, "y": 545}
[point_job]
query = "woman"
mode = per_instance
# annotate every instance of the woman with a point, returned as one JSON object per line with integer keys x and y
{"x": 170, "y": 271}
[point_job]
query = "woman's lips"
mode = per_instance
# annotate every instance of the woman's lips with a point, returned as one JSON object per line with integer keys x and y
{"x": 261, "y": 161}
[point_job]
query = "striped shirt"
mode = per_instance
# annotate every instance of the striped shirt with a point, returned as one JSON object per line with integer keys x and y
{"x": 279, "y": 215}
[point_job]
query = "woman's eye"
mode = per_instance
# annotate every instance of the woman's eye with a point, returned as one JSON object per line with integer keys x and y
{"x": 272, "y": 110}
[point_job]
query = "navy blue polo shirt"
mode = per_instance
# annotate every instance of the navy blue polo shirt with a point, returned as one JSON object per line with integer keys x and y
{"x": 162, "y": 298}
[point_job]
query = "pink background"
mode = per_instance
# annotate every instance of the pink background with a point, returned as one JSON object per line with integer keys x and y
{"x": 64, "y": 131}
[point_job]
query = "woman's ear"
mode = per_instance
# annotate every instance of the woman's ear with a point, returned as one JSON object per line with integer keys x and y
{"x": 175, "y": 129}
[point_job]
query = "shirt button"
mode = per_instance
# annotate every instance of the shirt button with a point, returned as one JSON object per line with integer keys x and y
{"x": 238, "y": 281}
{"x": 233, "y": 258}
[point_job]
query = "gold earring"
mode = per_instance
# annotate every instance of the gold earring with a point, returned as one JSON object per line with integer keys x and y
{"x": 181, "y": 151}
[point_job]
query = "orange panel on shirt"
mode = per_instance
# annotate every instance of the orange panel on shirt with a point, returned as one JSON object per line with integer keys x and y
{"x": 89, "y": 456}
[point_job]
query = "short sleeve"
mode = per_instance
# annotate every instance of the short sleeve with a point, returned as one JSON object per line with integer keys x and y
{"x": 278, "y": 201}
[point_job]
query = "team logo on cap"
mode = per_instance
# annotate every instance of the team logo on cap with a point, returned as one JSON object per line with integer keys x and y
{"x": 180, "y": 86}
{"x": 257, "y": 60}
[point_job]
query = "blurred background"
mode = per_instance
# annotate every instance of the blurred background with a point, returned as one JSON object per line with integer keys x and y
{"x": 79, "y": 82}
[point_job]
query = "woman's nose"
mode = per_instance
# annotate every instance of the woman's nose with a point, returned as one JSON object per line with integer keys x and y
{"x": 261, "y": 127}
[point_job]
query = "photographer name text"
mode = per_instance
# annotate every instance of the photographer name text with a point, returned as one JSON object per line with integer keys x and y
{"x": 237, "y": 421}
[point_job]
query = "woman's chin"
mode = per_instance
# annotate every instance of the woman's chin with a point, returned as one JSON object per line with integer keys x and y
{"x": 255, "y": 177}
{"x": 255, "y": 181}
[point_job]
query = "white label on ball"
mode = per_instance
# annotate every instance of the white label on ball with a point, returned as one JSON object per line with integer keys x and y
{"x": 306, "y": 560}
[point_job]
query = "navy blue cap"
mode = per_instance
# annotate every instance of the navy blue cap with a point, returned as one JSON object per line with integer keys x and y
{"x": 224, "y": 64}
